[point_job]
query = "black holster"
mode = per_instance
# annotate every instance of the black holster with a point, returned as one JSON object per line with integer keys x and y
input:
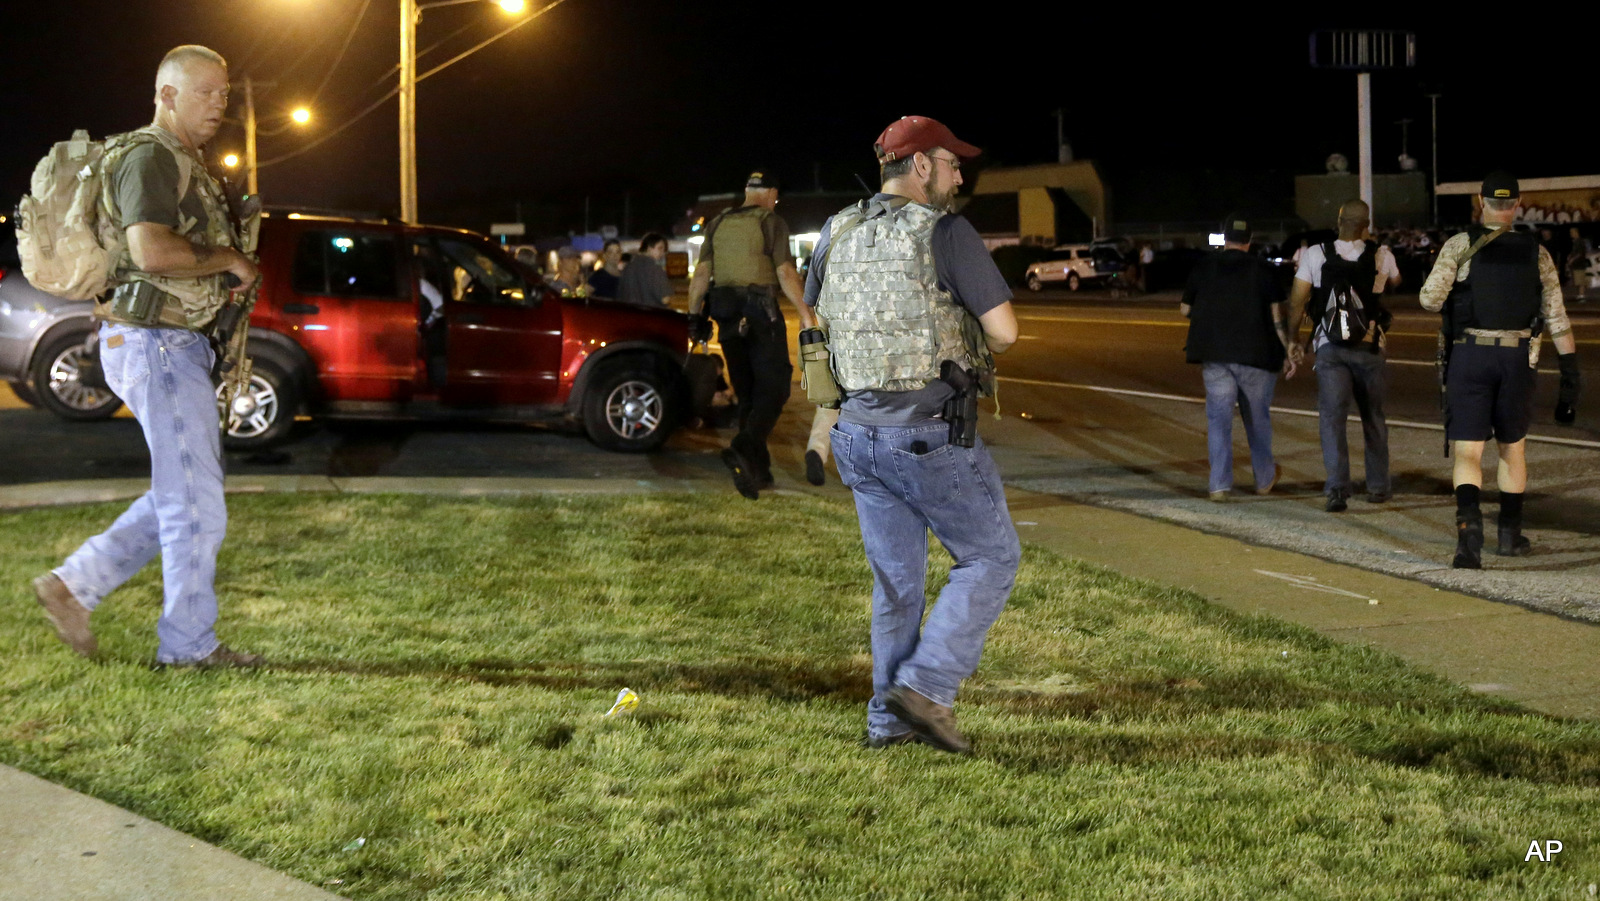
{"x": 961, "y": 411}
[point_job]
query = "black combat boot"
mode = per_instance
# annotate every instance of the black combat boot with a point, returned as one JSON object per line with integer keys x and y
{"x": 1512, "y": 543}
{"x": 1469, "y": 529}
{"x": 1469, "y": 540}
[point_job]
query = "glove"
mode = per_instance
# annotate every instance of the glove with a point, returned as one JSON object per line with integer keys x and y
{"x": 699, "y": 329}
{"x": 1567, "y": 396}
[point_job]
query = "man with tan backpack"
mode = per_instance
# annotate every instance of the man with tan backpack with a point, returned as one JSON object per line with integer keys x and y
{"x": 150, "y": 223}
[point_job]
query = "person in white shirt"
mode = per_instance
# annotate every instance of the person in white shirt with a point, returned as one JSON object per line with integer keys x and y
{"x": 1348, "y": 369}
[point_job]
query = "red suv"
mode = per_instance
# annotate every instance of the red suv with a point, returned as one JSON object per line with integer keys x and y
{"x": 381, "y": 320}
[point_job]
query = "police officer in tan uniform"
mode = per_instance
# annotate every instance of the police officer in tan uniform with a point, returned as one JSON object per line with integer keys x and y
{"x": 1498, "y": 289}
{"x": 745, "y": 262}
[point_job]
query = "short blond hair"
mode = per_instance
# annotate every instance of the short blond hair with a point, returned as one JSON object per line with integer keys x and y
{"x": 178, "y": 59}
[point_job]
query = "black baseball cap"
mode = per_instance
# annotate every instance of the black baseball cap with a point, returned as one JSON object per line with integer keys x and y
{"x": 1236, "y": 229}
{"x": 761, "y": 178}
{"x": 1501, "y": 185}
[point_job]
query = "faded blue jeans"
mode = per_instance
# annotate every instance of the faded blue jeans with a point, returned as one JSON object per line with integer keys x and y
{"x": 1251, "y": 388}
{"x": 164, "y": 376}
{"x": 1345, "y": 374}
{"x": 907, "y": 481}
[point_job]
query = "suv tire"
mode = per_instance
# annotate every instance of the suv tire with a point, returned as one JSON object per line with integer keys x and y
{"x": 276, "y": 394}
{"x": 54, "y": 381}
{"x": 1033, "y": 282}
{"x": 1073, "y": 281}
{"x": 631, "y": 405}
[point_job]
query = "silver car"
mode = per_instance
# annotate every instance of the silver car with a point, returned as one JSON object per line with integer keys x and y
{"x": 42, "y": 344}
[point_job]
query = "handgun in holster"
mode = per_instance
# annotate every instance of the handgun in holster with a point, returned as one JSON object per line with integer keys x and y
{"x": 961, "y": 411}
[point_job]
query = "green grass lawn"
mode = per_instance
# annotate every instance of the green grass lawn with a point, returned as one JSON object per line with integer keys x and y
{"x": 442, "y": 667}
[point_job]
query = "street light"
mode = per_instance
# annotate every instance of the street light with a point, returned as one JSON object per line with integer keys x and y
{"x": 231, "y": 161}
{"x": 300, "y": 117}
{"x": 410, "y": 15}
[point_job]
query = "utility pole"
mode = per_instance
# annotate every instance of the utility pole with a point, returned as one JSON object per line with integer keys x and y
{"x": 252, "y": 185}
{"x": 408, "y": 110}
{"x": 1433, "y": 100}
{"x": 1364, "y": 101}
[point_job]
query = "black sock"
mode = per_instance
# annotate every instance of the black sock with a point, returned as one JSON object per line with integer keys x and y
{"x": 1467, "y": 498}
{"x": 1511, "y": 506}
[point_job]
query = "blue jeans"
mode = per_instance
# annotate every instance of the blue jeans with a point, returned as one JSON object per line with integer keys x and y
{"x": 1251, "y": 389}
{"x": 1345, "y": 374}
{"x": 902, "y": 491}
{"x": 164, "y": 376}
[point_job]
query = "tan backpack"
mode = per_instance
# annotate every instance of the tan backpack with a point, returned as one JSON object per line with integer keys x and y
{"x": 68, "y": 246}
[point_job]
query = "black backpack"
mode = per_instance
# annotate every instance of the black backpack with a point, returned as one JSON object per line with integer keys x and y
{"x": 1350, "y": 314}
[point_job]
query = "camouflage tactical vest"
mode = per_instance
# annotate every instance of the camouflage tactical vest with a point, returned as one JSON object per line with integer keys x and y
{"x": 739, "y": 252}
{"x": 198, "y": 298}
{"x": 890, "y": 325}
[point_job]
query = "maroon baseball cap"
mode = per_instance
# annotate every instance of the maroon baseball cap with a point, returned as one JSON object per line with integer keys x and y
{"x": 919, "y": 134}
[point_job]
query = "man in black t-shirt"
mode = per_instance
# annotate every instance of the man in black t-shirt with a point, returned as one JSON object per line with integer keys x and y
{"x": 1239, "y": 334}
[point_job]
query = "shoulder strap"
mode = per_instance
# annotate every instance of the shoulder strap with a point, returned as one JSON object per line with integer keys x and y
{"x": 1480, "y": 244}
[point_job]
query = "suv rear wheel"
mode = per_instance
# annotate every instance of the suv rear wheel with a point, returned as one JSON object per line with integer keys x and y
{"x": 264, "y": 414}
{"x": 630, "y": 406}
{"x": 1073, "y": 281}
{"x": 55, "y": 382}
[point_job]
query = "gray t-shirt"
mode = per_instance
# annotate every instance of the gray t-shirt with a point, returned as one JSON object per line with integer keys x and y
{"x": 967, "y": 271}
{"x": 145, "y": 189}
{"x": 644, "y": 282}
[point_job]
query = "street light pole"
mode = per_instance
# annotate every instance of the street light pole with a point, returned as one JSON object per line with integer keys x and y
{"x": 408, "y": 110}
{"x": 1364, "y": 101}
{"x": 252, "y": 186}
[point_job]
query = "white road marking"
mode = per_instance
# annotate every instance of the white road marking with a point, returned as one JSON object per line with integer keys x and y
{"x": 1310, "y": 583}
{"x": 1288, "y": 411}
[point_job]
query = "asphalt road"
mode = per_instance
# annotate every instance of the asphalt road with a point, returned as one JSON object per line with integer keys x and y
{"x": 1098, "y": 405}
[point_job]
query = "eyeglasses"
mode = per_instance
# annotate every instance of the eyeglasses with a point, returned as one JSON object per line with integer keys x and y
{"x": 955, "y": 164}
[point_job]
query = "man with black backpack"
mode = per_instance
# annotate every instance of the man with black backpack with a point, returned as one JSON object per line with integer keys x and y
{"x": 1498, "y": 290}
{"x": 1340, "y": 285}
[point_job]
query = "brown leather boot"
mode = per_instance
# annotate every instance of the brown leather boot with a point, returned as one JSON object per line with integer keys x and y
{"x": 934, "y": 723}
{"x": 70, "y": 618}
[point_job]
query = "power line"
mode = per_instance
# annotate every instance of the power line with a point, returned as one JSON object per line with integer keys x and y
{"x": 349, "y": 36}
{"x": 396, "y": 90}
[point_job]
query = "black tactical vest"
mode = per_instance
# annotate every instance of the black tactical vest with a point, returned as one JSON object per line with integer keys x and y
{"x": 1502, "y": 289}
{"x": 1361, "y": 274}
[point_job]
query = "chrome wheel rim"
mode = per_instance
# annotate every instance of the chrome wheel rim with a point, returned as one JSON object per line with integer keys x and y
{"x": 254, "y": 411}
{"x": 633, "y": 409}
{"x": 66, "y": 382}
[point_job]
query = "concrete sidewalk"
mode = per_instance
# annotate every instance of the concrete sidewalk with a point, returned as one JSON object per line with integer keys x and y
{"x": 63, "y": 845}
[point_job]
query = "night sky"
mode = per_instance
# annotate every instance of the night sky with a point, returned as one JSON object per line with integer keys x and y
{"x": 664, "y": 101}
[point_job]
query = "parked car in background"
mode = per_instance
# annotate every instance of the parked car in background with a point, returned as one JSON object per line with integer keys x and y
{"x": 42, "y": 343}
{"x": 343, "y": 328}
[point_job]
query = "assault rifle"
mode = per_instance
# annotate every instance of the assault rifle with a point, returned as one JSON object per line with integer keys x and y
{"x": 230, "y": 333}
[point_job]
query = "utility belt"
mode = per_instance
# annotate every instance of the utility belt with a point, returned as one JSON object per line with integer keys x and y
{"x": 1505, "y": 338}
{"x": 735, "y": 302}
{"x": 144, "y": 305}
{"x": 1495, "y": 338}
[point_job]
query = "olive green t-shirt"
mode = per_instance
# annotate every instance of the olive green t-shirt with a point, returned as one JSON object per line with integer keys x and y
{"x": 145, "y": 189}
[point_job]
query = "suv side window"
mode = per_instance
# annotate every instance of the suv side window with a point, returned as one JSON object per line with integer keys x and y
{"x": 476, "y": 277}
{"x": 348, "y": 263}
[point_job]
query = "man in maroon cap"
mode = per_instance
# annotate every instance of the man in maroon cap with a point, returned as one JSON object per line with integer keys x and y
{"x": 915, "y": 309}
